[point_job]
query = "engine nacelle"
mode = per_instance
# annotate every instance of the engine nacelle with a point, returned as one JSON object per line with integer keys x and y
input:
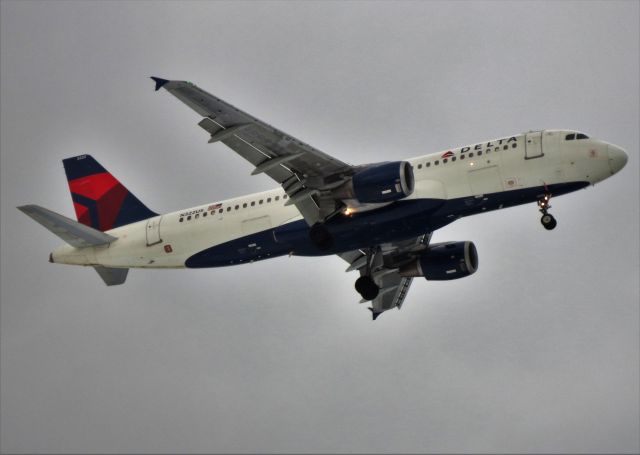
{"x": 444, "y": 261}
{"x": 379, "y": 183}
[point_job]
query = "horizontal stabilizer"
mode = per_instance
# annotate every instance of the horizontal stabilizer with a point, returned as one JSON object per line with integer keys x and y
{"x": 75, "y": 234}
{"x": 112, "y": 276}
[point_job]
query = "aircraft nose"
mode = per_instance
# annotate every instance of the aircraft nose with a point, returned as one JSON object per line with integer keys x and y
{"x": 617, "y": 158}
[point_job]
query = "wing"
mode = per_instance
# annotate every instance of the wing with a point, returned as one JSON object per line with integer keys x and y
{"x": 384, "y": 270}
{"x": 305, "y": 173}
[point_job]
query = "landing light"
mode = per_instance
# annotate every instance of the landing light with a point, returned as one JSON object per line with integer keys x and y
{"x": 348, "y": 211}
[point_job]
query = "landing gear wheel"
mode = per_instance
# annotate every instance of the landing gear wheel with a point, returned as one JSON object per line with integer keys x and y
{"x": 367, "y": 288}
{"x": 548, "y": 221}
{"x": 320, "y": 236}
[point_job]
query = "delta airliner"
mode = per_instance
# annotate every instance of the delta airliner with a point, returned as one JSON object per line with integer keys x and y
{"x": 378, "y": 217}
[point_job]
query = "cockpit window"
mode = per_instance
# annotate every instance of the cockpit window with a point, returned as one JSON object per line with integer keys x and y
{"x": 581, "y": 136}
{"x": 570, "y": 137}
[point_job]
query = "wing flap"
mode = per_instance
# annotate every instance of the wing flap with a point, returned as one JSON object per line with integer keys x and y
{"x": 271, "y": 151}
{"x": 384, "y": 271}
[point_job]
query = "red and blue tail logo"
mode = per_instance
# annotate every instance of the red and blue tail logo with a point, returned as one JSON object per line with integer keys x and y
{"x": 99, "y": 199}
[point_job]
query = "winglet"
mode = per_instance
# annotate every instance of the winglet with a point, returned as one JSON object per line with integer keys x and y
{"x": 159, "y": 82}
{"x": 374, "y": 313}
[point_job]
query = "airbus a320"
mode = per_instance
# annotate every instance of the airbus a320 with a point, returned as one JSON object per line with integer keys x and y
{"x": 378, "y": 217}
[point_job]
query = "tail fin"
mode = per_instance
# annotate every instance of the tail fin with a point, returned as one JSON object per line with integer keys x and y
{"x": 99, "y": 199}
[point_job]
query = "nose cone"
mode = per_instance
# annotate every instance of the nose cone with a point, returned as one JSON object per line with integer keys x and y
{"x": 617, "y": 158}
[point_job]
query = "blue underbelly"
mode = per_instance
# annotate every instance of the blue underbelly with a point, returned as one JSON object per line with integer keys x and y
{"x": 395, "y": 222}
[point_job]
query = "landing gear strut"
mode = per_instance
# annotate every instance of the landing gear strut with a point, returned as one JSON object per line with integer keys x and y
{"x": 547, "y": 220}
{"x": 365, "y": 285}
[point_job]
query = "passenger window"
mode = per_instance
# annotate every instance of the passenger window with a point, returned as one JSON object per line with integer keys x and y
{"x": 229, "y": 209}
{"x": 284, "y": 197}
{"x": 237, "y": 207}
{"x": 268, "y": 200}
{"x": 506, "y": 147}
{"x": 445, "y": 161}
{"x": 462, "y": 157}
{"x": 453, "y": 158}
{"x": 204, "y": 214}
{"x": 471, "y": 155}
{"x": 181, "y": 219}
{"x": 436, "y": 162}
{"x": 428, "y": 164}
{"x": 244, "y": 206}
{"x": 419, "y": 166}
{"x": 197, "y": 215}
{"x": 277, "y": 198}
{"x": 220, "y": 211}
{"x": 514, "y": 145}
{"x": 480, "y": 153}
{"x": 189, "y": 217}
{"x": 260, "y": 201}
{"x": 570, "y": 137}
{"x": 253, "y": 203}
{"x": 582, "y": 136}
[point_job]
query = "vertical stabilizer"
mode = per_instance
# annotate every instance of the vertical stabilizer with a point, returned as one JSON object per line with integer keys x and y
{"x": 99, "y": 199}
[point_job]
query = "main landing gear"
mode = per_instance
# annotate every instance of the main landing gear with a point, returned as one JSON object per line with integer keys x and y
{"x": 320, "y": 236}
{"x": 365, "y": 285}
{"x": 547, "y": 220}
{"x": 367, "y": 288}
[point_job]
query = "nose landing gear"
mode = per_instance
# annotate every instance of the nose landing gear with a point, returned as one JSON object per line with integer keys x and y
{"x": 547, "y": 220}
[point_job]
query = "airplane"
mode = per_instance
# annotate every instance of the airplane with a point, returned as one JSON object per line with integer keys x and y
{"x": 378, "y": 217}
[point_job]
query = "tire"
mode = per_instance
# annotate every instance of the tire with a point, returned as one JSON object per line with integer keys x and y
{"x": 367, "y": 288}
{"x": 321, "y": 237}
{"x": 548, "y": 221}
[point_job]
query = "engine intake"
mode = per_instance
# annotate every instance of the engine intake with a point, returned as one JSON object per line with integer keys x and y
{"x": 379, "y": 183}
{"x": 444, "y": 261}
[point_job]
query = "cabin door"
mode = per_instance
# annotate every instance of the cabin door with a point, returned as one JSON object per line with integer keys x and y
{"x": 153, "y": 230}
{"x": 533, "y": 145}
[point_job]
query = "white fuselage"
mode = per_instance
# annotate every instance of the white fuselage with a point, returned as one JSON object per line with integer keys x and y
{"x": 508, "y": 164}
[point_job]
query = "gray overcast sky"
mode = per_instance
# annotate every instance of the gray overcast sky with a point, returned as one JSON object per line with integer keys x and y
{"x": 537, "y": 352}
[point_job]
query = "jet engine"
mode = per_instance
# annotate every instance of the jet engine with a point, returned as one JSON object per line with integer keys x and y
{"x": 379, "y": 183}
{"x": 444, "y": 261}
